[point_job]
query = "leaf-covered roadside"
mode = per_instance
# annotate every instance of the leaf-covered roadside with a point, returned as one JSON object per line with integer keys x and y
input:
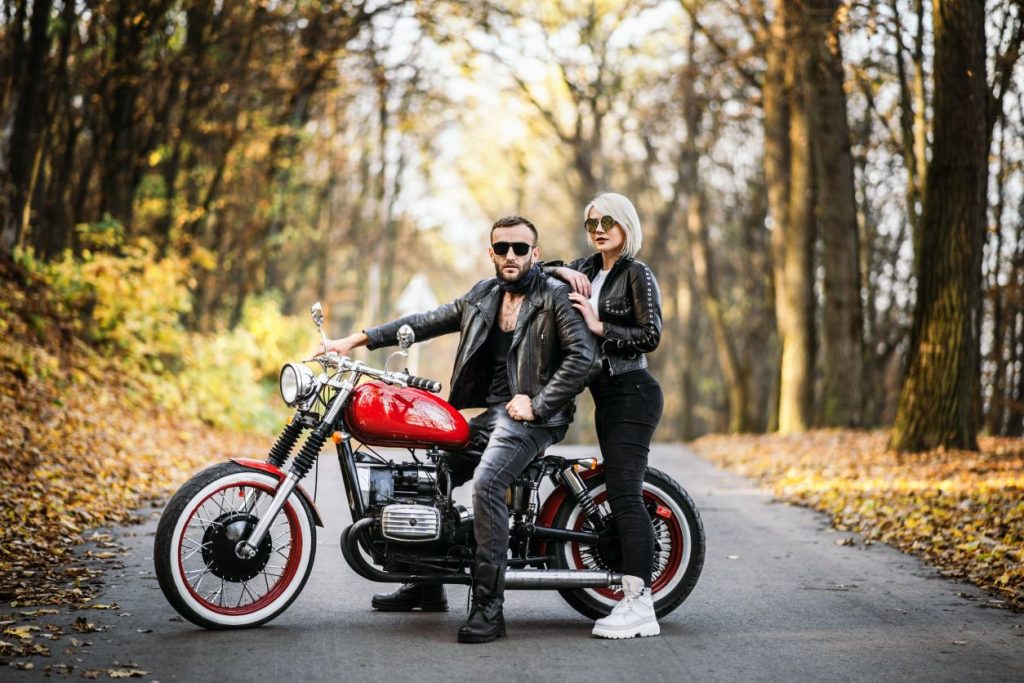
{"x": 81, "y": 445}
{"x": 961, "y": 511}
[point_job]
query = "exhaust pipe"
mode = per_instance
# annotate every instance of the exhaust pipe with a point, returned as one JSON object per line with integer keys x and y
{"x": 515, "y": 579}
{"x": 539, "y": 579}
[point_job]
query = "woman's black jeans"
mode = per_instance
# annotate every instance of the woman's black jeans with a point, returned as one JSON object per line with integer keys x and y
{"x": 628, "y": 410}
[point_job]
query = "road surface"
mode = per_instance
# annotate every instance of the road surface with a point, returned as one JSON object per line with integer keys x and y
{"x": 779, "y": 600}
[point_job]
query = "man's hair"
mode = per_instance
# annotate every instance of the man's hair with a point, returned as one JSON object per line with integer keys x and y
{"x": 511, "y": 221}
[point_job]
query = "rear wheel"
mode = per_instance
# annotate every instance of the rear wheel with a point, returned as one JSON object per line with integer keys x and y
{"x": 194, "y": 554}
{"x": 678, "y": 545}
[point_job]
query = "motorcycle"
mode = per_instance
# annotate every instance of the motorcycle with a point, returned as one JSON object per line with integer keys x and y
{"x": 236, "y": 543}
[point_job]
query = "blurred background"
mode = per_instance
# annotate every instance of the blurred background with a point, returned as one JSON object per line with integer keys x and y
{"x": 189, "y": 176}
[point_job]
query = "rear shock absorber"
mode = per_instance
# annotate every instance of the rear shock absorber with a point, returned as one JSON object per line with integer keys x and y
{"x": 582, "y": 496}
{"x": 282, "y": 448}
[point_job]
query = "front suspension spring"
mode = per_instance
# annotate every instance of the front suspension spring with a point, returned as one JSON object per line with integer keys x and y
{"x": 285, "y": 442}
{"x": 307, "y": 456}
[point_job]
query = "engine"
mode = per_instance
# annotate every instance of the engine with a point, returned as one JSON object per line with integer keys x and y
{"x": 409, "y": 504}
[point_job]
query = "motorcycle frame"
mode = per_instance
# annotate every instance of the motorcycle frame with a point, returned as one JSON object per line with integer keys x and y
{"x": 523, "y": 527}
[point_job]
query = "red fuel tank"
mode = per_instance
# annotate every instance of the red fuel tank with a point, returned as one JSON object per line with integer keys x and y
{"x": 382, "y": 415}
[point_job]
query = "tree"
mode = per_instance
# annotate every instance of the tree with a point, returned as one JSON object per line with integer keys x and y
{"x": 790, "y": 178}
{"x": 939, "y": 394}
{"x": 842, "y": 395}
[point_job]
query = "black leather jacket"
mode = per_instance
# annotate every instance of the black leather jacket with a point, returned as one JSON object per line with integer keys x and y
{"x": 551, "y": 355}
{"x": 629, "y": 307}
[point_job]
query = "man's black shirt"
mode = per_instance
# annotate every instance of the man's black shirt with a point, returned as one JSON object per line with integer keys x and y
{"x": 498, "y": 344}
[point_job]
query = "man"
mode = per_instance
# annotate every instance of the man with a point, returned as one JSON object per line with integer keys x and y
{"x": 524, "y": 354}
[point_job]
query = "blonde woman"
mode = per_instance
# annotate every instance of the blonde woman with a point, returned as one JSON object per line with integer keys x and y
{"x": 621, "y": 304}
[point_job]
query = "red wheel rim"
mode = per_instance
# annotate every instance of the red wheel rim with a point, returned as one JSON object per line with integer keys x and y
{"x": 675, "y": 556}
{"x": 281, "y": 582}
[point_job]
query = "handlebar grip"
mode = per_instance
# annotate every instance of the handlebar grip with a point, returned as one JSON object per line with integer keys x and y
{"x": 430, "y": 385}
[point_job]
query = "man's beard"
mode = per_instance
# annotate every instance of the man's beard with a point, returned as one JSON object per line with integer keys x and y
{"x": 523, "y": 270}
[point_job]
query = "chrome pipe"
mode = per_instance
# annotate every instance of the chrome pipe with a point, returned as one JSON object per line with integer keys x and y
{"x": 539, "y": 579}
{"x": 515, "y": 579}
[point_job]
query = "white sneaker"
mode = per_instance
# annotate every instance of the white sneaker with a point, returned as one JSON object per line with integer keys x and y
{"x": 634, "y": 615}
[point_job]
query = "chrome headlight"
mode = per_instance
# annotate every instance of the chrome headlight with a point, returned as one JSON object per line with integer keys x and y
{"x": 296, "y": 383}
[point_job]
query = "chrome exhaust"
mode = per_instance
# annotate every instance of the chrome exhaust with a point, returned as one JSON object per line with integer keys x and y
{"x": 539, "y": 579}
{"x": 515, "y": 579}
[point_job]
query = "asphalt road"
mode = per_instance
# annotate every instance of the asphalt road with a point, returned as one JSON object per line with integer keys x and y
{"x": 779, "y": 600}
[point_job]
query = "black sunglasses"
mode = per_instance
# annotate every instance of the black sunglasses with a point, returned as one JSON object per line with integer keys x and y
{"x": 606, "y": 223}
{"x": 520, "y": 248}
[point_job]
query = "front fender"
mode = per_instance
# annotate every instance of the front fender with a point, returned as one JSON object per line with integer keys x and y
{"x": 264, "y": 466}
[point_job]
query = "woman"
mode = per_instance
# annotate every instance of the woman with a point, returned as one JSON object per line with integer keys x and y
{"x": 620, "y": 302}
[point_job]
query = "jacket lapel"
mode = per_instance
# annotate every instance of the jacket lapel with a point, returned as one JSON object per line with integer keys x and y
{"x": 533, "y": 302}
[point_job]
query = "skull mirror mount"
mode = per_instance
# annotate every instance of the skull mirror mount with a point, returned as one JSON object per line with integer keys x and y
{"x": 317, "y": 311}
{"x": 406, "y": 337}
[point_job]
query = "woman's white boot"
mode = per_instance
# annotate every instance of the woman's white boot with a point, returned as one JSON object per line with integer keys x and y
{"x": 634, "y": 615}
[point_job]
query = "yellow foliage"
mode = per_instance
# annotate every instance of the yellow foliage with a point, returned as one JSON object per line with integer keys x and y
{"x": 129, "y": 304}
{"x": 962, "y": 511}
{"x": 92, "y": 431}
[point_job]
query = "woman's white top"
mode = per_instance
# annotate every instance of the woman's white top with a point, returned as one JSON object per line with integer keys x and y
{"x": 595, "y": 289}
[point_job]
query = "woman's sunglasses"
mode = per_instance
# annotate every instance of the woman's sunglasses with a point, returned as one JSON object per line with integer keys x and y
{"x": 520, "y": 248}
{"x": 606, "y": 223}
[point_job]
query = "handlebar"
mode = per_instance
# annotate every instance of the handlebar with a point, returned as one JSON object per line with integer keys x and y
{"x": 346, "y": 364}
{"x": 430, "y": 385}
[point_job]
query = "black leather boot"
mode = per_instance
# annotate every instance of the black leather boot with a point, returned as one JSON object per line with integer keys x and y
{"x": 427, "y": 597}
{"x": 486, "y": 621}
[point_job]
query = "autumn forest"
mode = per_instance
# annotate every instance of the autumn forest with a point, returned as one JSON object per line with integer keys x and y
{"x": 832, "y": 192}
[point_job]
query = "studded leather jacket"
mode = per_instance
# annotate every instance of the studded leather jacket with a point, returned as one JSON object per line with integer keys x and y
{"x": 551, "y": 355}
{"x": 629, "y": 307}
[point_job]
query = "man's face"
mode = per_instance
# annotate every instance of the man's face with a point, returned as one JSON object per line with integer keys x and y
{"x": 510, "y": 266}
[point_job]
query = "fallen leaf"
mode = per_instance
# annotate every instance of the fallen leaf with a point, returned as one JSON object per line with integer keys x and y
{"x": 23, "y": 632}
{"x": 83, "y": 625}
{"x": 126, "y": 673}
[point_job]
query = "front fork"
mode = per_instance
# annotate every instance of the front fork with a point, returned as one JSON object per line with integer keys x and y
{"x": 247, "y": 548}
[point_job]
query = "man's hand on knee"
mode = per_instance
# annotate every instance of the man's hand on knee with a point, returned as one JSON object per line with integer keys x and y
{"x": 520, "y": 408}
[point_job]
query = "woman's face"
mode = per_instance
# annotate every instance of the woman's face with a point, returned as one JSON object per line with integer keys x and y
{"x": 610, "y": 242}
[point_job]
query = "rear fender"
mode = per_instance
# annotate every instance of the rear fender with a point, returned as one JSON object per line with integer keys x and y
{"x": 262, "y": 466}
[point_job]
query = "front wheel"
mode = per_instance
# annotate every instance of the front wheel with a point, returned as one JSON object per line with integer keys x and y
{"x": 678, "y": 545}
{"x": 194, "y": 553}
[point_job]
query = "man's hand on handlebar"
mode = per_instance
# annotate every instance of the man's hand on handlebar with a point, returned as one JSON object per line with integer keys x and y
{"x": 345, "y": 345}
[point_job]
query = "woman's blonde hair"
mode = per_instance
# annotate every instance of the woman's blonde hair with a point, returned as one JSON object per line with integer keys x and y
{"x": 624, "y": 213}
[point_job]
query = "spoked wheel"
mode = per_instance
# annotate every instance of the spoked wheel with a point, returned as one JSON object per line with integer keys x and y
{"x": 678, "y": 545}
{"x": 194, "y": 555}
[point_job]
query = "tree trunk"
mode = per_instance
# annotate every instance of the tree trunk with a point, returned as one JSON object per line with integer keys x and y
{"x": 836, "y": 212}
{"x": 788, "y": 173}
{"x": 728, "y": 359}
{"x": 27, "y": 128}
{"x": 940, "y": 389}
{"x": 697, "y": 243}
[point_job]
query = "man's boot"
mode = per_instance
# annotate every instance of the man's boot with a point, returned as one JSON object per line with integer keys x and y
{"x": 486, "y": 621}
{"x": 427, "y": 597}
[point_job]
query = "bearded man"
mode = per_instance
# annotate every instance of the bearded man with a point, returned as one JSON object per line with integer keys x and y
{"x": 524, "y": 354}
